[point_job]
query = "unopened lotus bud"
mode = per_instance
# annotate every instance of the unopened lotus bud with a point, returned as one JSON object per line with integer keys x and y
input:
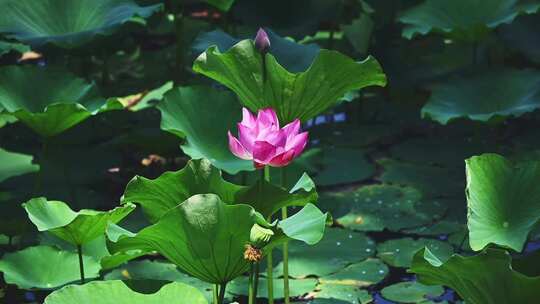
{"x": 260, "y": 236}
{"x": 252, "y": 254}
{"x": 262, "y": 43}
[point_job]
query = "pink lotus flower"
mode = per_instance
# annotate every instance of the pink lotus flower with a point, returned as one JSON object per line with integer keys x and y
{"x": 261, "y": 140}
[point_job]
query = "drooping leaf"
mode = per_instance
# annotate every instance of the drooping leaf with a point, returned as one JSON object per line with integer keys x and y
{"x": 45, "y": 267}
{"x": 502, "y": 199}
{"x": 411, "y": 292}
{"x": 13, "y": 164}
{"x": 66, "y": 23}
{"x": 49, "y": 100}
{"x": 199, "y": 177}
{"x": 206, "y": 237}
{"x": 484, "y": 278}
{"x": 294, "y": 57}
{"x": 485, "y": 96}
{"x": 116, "y": 292}
{"x": 74, "y": 227}
{"x": 301, "y": 95}
{"x": 468, "y": 20}
{"x": 204, "y": 115}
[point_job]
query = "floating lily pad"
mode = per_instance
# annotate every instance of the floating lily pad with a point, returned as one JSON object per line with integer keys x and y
{"x": 425, "y": 178}
{"x": 340, "y": 294}
{"x": 411, "y": 292}
{"x": 502, "y": 199}
{"x": 297, "y": 287}
{"x": 45, "y": 267}
{"x": 379, "y": 207}
{"x": 341, "y": 165}
{"x": 199, "y": 177}
{"x": 461, "y": 18}
{"x": 204, "y": 115}
{"x": 486, "y": 96}
{"x": 363, "y": 274}
{"x": 116, "y": 292}
{"x": 74, "y": 227}
{"x": 292, "y": 56}
{"x": 291, "y": 95}
{"x": 337, "y": 249}
{"x": 66, "y": 23}
{"x": 469, "y": 277}
{"x": 49, "y": 100}
{"x": 13, "y": 164}
{"x": 400, "y": 252}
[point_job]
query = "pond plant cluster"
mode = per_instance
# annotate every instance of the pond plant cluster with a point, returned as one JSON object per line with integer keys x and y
{"x": 307, "y": 151}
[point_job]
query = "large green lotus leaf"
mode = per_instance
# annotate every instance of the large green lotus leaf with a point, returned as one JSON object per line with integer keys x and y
{"x": 465, "y": 19}
{"x": 502, "y": 199}
{"x": 486, "y": 96}
{"x": 45, "y": 267}
{"x": 49, "y": 100}
{"x": 157, "y": 196}
{"x": 204, "y": 115}
{"x": 379, "y": 207}
{"x": 66, "y": 23}
{"x": 400, "y": 252}
{"x": 337, "y": 249}
{"x": 484, "y": 278}
{"x": 74, "y": 227}
{"x": 13, "y": 164}
{"x": 294, "y": 57}
{"x": 116, "y": 292}
{"x": 411, "y": 292}
{"x": 301, "y": 95}
{"x": 240, "y": 286}
{"x": 206, "y": 237}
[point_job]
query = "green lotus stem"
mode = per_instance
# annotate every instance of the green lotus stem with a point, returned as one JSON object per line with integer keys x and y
{"x": 222, "y": 293}
{"x": 215, "y": 289}
{"x": 81, "y": 263}
{"x": 256, "y": 283}
{"x": 285, "y": 245}
{"x": 251, "y": 290}
{"x": 269, "y": 267}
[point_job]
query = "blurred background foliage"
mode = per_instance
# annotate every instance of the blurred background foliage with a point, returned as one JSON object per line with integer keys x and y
{"x": 93, "y": 92}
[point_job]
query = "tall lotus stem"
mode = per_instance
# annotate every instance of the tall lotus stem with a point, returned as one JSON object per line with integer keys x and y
{"x": 269, "y": 267}
{"x": 81, "y": 263}
{"x": 221, "y": 293}
{"x": 285, "y": 245}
